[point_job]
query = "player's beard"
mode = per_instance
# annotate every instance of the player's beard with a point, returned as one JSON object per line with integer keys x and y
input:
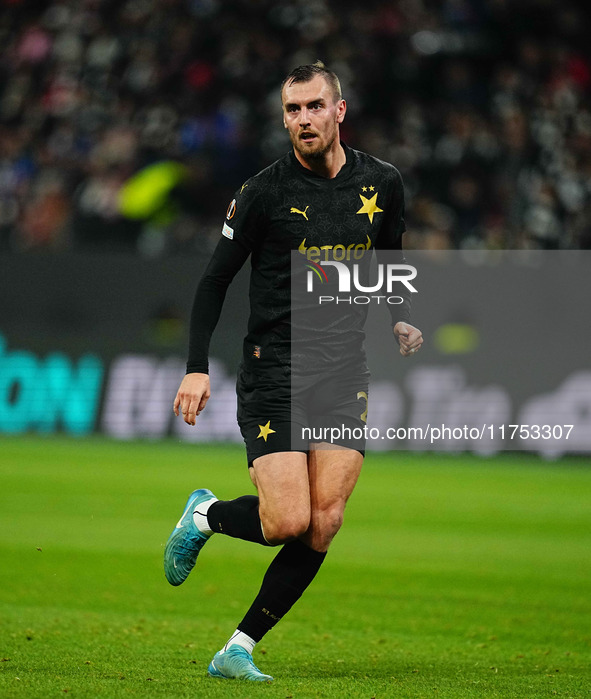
{"x": 316, "y": 154}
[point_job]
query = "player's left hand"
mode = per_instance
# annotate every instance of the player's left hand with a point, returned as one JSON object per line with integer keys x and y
{"x": 409, "y": 338}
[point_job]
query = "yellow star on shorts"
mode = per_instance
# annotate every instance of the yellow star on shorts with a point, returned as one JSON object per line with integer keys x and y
{"x": 370, "y": 206}
{"x": 265, "y": 431}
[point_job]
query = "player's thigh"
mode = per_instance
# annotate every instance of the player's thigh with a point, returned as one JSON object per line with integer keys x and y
{"x": 333, "y": 472}
{"x": 281, "y": 480}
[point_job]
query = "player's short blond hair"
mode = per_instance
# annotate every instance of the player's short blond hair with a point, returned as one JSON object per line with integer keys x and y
{"x": 303, "y": 74}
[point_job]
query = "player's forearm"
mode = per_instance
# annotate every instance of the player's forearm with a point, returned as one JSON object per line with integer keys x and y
{"x": 227, "y": 259}
{"x": 399, "y": 312}
{"x": 207, "y": 307}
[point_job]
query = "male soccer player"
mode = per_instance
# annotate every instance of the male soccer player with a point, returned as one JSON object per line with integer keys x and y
{"x": 321, "y": 198}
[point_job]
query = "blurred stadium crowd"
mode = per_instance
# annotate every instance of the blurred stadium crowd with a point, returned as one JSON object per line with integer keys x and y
{"x": 483, "y": 105}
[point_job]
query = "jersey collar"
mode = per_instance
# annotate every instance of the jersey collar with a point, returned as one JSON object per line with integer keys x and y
{"x": 342, "y": 174}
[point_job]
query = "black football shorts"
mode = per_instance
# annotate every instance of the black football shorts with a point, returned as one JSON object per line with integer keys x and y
{"x": 276, "y": 413}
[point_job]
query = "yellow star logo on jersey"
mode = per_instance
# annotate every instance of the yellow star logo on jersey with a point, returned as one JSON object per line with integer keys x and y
{"x": 265, "y": 431}
{"x": 370, "y": 206}
{"x": 242, "y": 188}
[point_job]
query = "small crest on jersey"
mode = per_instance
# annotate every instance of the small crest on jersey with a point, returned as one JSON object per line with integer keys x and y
{"x": 228, "y": 232}
{"x": 257, "y": 352}
{"x": 231, "y": 210}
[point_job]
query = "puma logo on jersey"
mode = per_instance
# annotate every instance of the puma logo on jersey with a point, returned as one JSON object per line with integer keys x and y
{"x": 293, "y": 210}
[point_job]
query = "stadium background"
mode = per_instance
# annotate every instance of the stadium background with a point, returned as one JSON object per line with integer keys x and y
{"x": 125, "y": 128}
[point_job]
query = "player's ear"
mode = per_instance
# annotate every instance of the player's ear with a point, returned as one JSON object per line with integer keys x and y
{"x": 341, "y": 111}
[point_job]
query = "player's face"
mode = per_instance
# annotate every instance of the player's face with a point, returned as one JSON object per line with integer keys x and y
{"x": 312, "y": 116}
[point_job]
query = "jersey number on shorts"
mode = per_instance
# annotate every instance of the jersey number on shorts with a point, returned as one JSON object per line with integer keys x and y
{"x": 363, "y": 416}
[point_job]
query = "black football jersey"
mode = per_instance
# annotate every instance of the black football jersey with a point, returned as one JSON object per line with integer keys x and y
{"x": 287, "y": 208}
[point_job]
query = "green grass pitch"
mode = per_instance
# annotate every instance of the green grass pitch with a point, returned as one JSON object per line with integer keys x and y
{"x": 453, "y": 576}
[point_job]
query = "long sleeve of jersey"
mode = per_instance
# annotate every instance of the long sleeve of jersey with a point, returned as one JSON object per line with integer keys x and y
{"x": 389, "y": 248}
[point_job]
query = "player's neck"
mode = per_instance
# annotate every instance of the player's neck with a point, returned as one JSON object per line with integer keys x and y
{"x": 328, "y": 166}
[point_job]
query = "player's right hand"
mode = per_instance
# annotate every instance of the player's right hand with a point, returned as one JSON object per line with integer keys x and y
{"x": 192, "y": 396}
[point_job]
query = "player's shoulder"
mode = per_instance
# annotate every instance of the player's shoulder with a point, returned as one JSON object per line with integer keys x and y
{"x": 253, "y": 194}
{"x": 259, "y": 184}
{"x": 376, "y": 167}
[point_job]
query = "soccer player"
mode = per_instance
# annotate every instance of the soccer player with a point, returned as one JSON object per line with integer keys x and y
{"x": 322, "y": 197}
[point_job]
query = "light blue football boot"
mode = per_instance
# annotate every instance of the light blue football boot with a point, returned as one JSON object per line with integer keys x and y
{"x": 186, "y": 541}
{"x": 236, "y": 664}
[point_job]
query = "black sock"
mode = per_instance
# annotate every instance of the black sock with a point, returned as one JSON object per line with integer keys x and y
{"x": 290, "y": 573}
{"x": 238, "y": 518}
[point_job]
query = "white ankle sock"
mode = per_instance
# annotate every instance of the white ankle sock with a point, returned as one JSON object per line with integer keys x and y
{"x": 200, "y": 516}
{"x": 240, "y": 639}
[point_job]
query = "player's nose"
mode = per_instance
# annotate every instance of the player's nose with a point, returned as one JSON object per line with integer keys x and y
{"x": 304, "y": 117}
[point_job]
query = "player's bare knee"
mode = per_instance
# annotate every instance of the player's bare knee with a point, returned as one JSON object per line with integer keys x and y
{"x": 285, "y": 528}
{"x": 331, "y": 522}
{"x": 324, "y": 525}
{"x": 335, "y": 522}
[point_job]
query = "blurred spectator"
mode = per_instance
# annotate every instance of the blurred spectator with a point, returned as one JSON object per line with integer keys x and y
{"x": 482, "y": 104}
